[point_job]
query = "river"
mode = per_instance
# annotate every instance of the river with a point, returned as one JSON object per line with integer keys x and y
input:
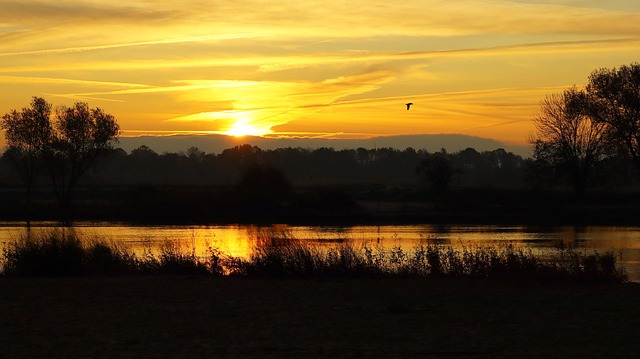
{"x": 238, "y": 240}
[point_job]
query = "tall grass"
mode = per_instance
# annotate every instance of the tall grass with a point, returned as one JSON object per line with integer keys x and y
{"x": 298, "y": 259}
{"x": 59, "y": 253}
{"x": 62, "y": 254}
{"x": 277, "y": 254}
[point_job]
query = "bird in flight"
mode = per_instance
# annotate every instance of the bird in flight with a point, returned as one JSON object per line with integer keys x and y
{"x": 409, "y": 105}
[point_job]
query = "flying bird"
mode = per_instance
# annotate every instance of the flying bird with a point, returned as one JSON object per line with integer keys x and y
{"x": 409, "y": 105}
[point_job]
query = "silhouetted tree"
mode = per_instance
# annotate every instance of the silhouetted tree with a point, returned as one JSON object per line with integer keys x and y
{"x": 437, "y": 169}
{"x": 195, "y": 154}
{"x": 28, "y": 134}
{"x": 567, "y": 139}
{"x": 614, "y": 100}
{"x": 242, "y": 156}
{"x": 81, "y": 135}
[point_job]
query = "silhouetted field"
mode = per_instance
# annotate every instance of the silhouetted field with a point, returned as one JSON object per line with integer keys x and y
{"x": 196, "y": 317}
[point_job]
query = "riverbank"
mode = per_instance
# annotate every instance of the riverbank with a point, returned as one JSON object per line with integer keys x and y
{"x": 345, "y": 205}
{"x": 187, "y": 317}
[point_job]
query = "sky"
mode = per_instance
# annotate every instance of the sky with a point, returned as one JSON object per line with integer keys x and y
{"x": 298, "y": 68}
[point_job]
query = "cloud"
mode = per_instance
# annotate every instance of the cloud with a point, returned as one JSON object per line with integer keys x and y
{"x": 209, "y": 116}
{"x": 43, "y": 12}
{"x": 574, "y": 46}
{"x": 62, "y": 81}
{"x": 492, "y": 112}
{"x": 268, "y": 64}
{"x": 132, "y": 44}
{"x": 366, "y": 18}
{"x": 247, "y": 104}
{"x": 299, "y": 66}
{"x": 97, "y": 25}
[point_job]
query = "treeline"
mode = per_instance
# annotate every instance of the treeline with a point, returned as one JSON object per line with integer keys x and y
{"x": 327, "y": 166}
{"x": 385, "y": 166}
{"x": 297, "y": 185}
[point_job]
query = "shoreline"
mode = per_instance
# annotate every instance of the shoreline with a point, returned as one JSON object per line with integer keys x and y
{"x": 345, "y": 206}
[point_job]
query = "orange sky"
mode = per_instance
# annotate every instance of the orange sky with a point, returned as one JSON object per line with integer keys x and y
{"x": 315, "y": 69}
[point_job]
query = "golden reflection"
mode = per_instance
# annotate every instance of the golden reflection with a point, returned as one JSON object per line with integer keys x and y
{"x": 241, "y": 241}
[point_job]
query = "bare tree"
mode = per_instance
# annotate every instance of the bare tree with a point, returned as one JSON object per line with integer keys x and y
{"x": 81, "y": 135}
{"x": 567, "y": 138}
{"x": 614, "y": 99}
{"x": 28, "y": 134}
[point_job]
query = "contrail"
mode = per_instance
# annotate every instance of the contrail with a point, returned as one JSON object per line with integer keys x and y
{"x": 131, "y": 44}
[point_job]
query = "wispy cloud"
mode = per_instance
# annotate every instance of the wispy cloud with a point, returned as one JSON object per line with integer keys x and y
{"x": 340, "y": 67}
{"x": 94, "y": 25}
{"x": 63, "y": 81}
{"x": 265, "y": 63}
{"x": 132, "y": 44}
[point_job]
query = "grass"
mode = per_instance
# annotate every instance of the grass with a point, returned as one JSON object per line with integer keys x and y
{"x": 288, "y": 257}
{"x": 277, "y": 254}
{"x": 62, "y": 253}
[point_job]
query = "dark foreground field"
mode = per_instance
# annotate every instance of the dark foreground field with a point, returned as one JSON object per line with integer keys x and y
{"x": 183, "y": 317}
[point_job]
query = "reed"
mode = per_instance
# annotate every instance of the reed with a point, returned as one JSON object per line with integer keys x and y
{"x": 62, "y": 253}
{"x": 278, "y": 254}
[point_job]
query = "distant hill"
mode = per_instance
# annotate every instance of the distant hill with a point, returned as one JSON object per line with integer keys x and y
{"x": 218, "y": 143}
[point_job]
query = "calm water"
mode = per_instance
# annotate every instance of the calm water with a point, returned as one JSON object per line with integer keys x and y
{"x": 238, "y": 240}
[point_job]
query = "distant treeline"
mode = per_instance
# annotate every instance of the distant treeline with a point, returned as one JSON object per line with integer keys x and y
{"x": 301, "y": 166}
{"x": 325, "y": 166}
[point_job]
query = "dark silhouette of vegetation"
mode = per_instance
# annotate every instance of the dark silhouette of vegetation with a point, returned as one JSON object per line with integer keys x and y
{"x": 28, "y": 134}
{"x": 581, "y": 130}
{"x": 277, "y": 254}
{"x": 69, "y": 144}
{"x": 437, "y": 169}
{"x": 305, "y": 167}
{"x": 614, "y": 100}
{"x": 364, "y": 186}
{"x": 61, "y": 253}
{"x": 81, "y": 136}
{"x": 568, "y": 141}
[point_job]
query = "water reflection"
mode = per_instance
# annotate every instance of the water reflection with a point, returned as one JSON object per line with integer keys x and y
{"x": 239, "y": 240}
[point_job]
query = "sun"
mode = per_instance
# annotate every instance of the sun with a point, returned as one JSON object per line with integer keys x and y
{"x": 243, "y": 129}
{"x": 243, "y": 126}
{"x": 240, "y": 129}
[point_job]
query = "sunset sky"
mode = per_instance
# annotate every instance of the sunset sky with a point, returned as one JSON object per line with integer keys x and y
{"x": 330, "y": 68}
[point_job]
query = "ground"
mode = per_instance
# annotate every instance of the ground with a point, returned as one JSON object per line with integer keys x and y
{"x": 184, "y": 317}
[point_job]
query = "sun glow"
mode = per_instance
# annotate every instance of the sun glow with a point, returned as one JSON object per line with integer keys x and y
{"x": 244, "y": 70}
{"x": 240, "y": 130}
{"x": 244, "y": 127}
